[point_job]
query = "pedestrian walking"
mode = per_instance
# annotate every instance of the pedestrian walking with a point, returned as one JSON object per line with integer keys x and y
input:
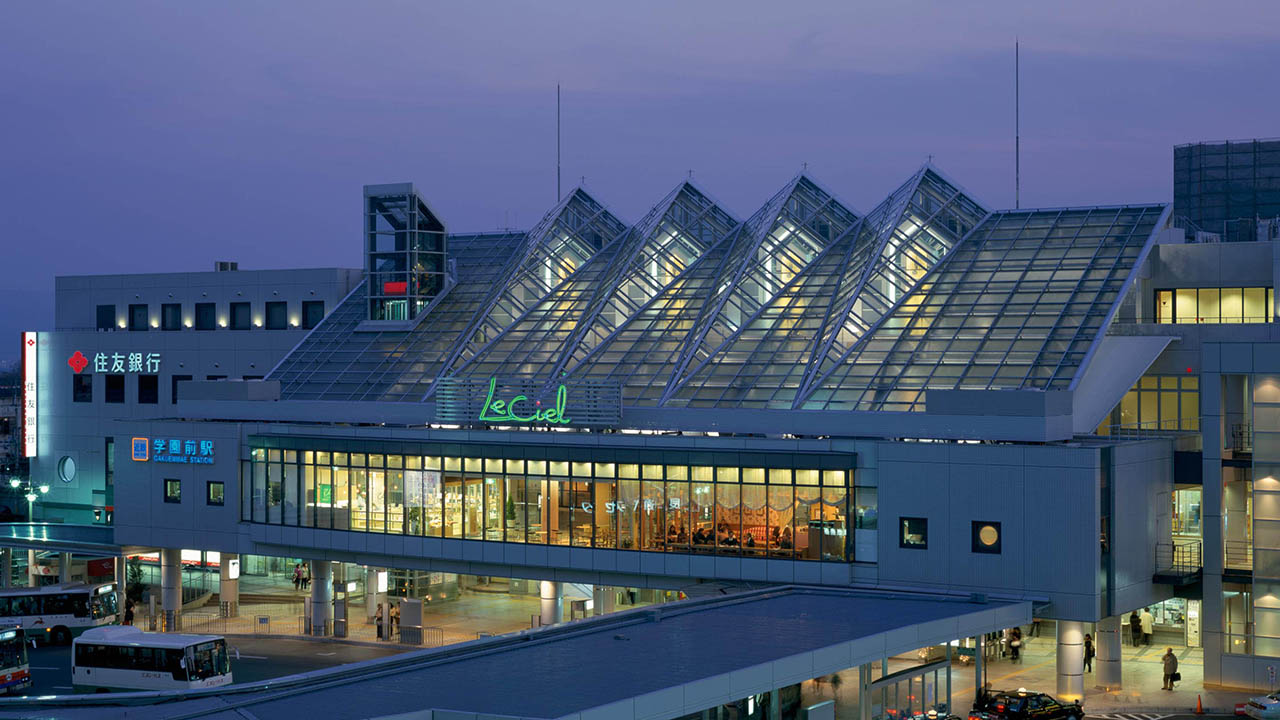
{"x": 1135, "y": 628}
{"x": 1171, "y": 674}
{"x": 1088, "y": 653}
{"x": 297, "y": 576}
{"x": 306, "y": 577}
{"x": 1015, "y": 644}
{"x": 377, "y": 619}
{"x": 395, "y": 620}
{"x": 1148, "y": 626}
{"x": 128, "y": 613}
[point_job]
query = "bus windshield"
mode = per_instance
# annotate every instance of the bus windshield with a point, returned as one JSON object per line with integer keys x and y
{"x": 103, "y": 605}
{"x": 13, "y": 651}
{"x": 208, "y": 659}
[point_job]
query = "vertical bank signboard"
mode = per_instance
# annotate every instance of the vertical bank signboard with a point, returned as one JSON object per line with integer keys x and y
{"x": 30, "y": 393}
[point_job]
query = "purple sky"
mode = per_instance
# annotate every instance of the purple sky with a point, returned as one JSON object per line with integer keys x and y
{"x": 161, "y": 136}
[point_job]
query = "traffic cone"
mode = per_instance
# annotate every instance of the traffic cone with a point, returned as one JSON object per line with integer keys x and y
{"x": 1199, "y": 706}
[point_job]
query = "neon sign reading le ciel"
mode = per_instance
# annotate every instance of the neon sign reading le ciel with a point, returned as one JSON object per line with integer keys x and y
{"x": 508, "y": 410}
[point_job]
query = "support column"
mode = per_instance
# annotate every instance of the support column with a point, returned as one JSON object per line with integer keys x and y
{"x": 602, "y": 600}
{"x": 33, "y": 577}
{"x": 64, "y": 567}
{"x": 6, "y": 569}
{"x": 1108, "y": 644}
{"x": 552, "y": 596}
{"x": 371, "y": 595}
{"x": 228, "y": 589}
{"x": 1070, "y": 660}
{"x": 321, "y": 596}
{"x": 978, "y": 660}
{"x": 170, "y": 588}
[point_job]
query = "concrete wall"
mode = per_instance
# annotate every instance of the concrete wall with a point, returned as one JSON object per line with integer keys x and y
{"x": 1141, "y": 518}
{"x": 78, "y": 296}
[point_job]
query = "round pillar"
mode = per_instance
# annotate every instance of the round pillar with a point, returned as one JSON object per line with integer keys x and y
{"x": 170, "y": 588}
{"x": 552, "y": 596}
{"x": 33, "y": 577}
{"x": 1070, "y": 660}
{"x": 321, "y": 596}
{"x": 1108, "y": 660}
{"x": 64, "y": 567}
{"x": 228, "y": 587}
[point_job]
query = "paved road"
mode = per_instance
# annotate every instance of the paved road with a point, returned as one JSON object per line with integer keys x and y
{"x": 260, "y": 659}
{"x": 1138, "y": 715}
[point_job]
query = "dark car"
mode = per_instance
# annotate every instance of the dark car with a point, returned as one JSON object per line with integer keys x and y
{"x": 1024, "y": 705}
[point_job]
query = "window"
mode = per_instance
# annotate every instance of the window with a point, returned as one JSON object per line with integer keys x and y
{"x": 138, "y": 317}
{"x": 115, "y": 388}
{"x": 109, "y": 466}
{"x": 106, "y": 317}
{"x": 148, "y": 389}
{"x": 174, "y": 386}
{"x": 81, "y": 388}
{"x": 986, "y": 537}
{"x": 171, "y": 316}
{"x": 312, "y": 313}
{"x": 172, "y": 491}
{"x": 1158, "y": 402}
{"x": 206, "y": 316}
{"x": 277, "y": 315}
{"x": 240, "y": 316}
{"x": 914, "y": 533}
{"x": 215, "y": 493}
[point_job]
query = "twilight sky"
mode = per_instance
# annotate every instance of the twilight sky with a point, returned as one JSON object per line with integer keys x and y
{"x": 161, "y": 136}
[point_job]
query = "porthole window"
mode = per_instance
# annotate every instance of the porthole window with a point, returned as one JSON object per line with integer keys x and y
{"x": 66, "y": 469}
{"x": 987, "y": 537}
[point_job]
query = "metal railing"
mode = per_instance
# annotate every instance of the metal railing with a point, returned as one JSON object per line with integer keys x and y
{"x": 1182, "y": 557}
{"x": 1242, "y": 437}
{"x": 1237, "y": 555}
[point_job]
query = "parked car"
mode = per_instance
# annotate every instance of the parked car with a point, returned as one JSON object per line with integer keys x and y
{"x": 1265, "y": 707}
{"x": 1023, "y": 704}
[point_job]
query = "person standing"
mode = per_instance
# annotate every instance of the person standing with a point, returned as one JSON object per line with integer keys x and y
{"x": 1088, "y": 653}
{"x": 377, "y": 619}
{"x": 297, "y": 576}
{"x": 395, "y": 620}
{"x": 1135, "y": 628}
{"x": 1015, "y": 644}
{"x": 1148, "y": 626}
{"x": 306, "y": 576}
{"x": 1170, "y": 669}
{"x": 128, "y": 612}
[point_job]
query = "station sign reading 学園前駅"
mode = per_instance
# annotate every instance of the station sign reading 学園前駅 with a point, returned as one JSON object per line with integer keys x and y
{"x": 527, "y": 401}
{"x": 172, "y": 450}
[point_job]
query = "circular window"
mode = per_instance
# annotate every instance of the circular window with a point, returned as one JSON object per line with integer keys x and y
{"x": 66, "y": 469}
{"x": 988, "y": 535}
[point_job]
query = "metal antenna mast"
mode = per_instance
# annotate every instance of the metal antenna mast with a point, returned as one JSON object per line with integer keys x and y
{"x": 1017, "y": 128}
{"x": 557, "y": 142}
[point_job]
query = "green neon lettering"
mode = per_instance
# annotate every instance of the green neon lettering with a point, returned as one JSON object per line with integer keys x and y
{"x": 505, "y": 410}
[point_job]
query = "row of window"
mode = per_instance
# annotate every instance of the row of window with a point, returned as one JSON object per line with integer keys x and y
{"x": 148, "y": 387}
{"x": 985, "y": 537}
{"x": 1189, "y": 306}
{"x": 215, "y": 492}
{"x": 204, "y": 316}
{"x": 796, "y": 513}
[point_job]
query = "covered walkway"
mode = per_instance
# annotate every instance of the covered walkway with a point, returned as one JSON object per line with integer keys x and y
{"x": 664, "y": 661}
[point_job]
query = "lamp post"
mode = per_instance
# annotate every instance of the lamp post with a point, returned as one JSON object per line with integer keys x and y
{"x": 31, "y": 489}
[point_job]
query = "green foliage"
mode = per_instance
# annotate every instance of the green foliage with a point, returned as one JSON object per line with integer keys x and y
{"x": 133, "y": 580}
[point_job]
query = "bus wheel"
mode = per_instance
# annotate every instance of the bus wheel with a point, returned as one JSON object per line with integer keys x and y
{"x": 61, "y": 636}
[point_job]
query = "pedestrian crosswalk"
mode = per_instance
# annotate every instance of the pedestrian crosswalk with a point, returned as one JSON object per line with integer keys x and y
{"x": 1127, "y": 716}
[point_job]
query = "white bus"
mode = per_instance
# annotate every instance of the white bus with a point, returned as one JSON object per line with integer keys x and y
{"x": 124, "y": 657}
{"x": 57, "y": 613}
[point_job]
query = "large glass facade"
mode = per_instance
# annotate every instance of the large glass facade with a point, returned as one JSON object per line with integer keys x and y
{"x": 1189, "y": 306}
{"x": 797, "y": 513}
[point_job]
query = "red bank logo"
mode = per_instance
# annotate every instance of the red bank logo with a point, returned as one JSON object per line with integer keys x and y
{"x": 78, "y": 362}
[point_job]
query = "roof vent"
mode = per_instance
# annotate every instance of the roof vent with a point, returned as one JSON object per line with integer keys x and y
{"x": 225, "y": 266}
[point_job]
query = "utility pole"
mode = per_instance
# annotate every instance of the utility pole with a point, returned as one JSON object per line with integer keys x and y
{"x": 557, "y": 142}
{"x": 1017, "y": 127}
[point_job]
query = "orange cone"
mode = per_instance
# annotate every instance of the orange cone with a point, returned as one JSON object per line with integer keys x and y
{"x": 1199, "y": 706}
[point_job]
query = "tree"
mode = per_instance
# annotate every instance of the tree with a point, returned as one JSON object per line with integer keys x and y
{"x": 511, "y": 510}
{"x": 133, "y": 580}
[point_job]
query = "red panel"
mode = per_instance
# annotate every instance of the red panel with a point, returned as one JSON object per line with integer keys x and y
{"x": 395, "y": 288}
{"x": 101, "y": 567}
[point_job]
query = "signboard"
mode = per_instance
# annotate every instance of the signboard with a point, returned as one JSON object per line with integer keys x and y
{"x": 233, "y": 569}
{"x": 30, "y": 393}
{"x": 527, "y": 401}
{"x": 101, "y": 567}
{"x": 172, "y": 450}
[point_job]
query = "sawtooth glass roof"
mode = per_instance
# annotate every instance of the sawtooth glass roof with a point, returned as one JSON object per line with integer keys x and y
{"x": 805, "y": 305}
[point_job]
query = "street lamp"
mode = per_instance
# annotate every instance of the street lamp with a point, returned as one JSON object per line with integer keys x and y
{"x": 31, "y": 493}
